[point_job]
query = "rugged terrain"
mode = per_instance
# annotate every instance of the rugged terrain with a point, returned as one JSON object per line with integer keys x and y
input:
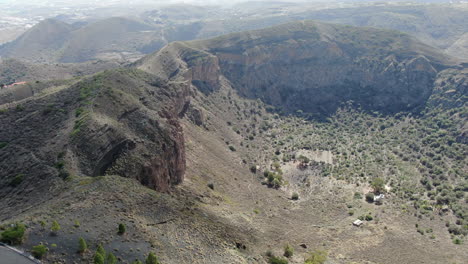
{"x": 221, "y": 150}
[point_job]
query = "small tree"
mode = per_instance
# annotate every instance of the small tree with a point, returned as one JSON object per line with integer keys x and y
{"x": 288, "y": 251}
{"x": 82, "y": 246}
{"x": 101, "y": 250}
{"x": 378, "y": 184}
{"x": 303, "y": 159}
{"x": 370, "y": 197}
{"x": 152, "y": 259}
{"x": 13, "y": 235}
{"x": 98, "y": 258}
{"x": 122, "y": 229}
{"x": 55, "y": 227}
{"x": 39, "y": 251}
{"x": 111, "y": 259}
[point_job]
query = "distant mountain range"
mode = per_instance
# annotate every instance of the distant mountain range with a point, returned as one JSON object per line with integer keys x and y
{"x": 442, "y": 26}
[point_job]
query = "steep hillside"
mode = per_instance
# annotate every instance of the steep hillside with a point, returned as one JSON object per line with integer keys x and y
{"x": 460, "y": 47}
{"x": 113, "y": 38}
{"x": 233, "y": 149}
{"x": 40, "y": 43}
{"x": 314, "y": 67}
{"x": 107, "y": 39}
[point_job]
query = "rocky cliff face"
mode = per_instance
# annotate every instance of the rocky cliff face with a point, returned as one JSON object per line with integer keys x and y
{"x": 137, "y": 131}
{"x": 313, "y": 67}
{"x": 122, "y": 122}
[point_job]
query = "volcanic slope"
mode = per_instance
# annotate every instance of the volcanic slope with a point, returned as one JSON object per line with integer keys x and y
{"x": 220, "y": 131}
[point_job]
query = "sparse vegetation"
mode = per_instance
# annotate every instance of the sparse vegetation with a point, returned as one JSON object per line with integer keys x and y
{"x": 288, "y": 251}
{"x": 277, "y": 260}
{"x": 317, "y": 257}
{"x": 39, "y": 251}
{"x": 55, "y": 228}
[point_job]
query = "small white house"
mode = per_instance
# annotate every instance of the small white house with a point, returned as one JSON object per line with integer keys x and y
{"x": 358, "y": 223}
{"x": 379, "y": 198}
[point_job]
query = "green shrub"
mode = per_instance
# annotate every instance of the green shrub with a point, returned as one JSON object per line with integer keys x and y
{"x": 13, "y": 235}
{"x": 370, "y": 197}
{"x": 82, "y": 246}
{"x": 100, "y": 250}
{"x": 3, "y": 144}
{"x": 277, "y": 260}
{"x": 98, "y": 258}
{"x": 295, "y": 196}
{"x": 137, "y": 262}
{"x": 317, "y": 257}
{"x": 78, "y": 111}
{"x": 122, "y": 229}
{"x": 420, "y": 231}
{"x": 232, "y": 148}
{"x": 152, "y": 259}
{"x": 369, "y": 217}
{"x": 288, "y": 251}
{"x": 357, "y": 195}
{"x": 457, "y": 241}
{"x": 39, "y": 251}
{"x": 55, "y": 227}
{"x": 111, "y": 259}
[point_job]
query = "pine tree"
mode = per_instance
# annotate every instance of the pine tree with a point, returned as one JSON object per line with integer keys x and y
{"x": 122, "y": 229}
{"x": 111, "y": 259}
{"x": 82, "y": 246}
{"x": 101, "y": 250}
{"x": 98, "y": 258}
{"x": 152, "y": 259}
